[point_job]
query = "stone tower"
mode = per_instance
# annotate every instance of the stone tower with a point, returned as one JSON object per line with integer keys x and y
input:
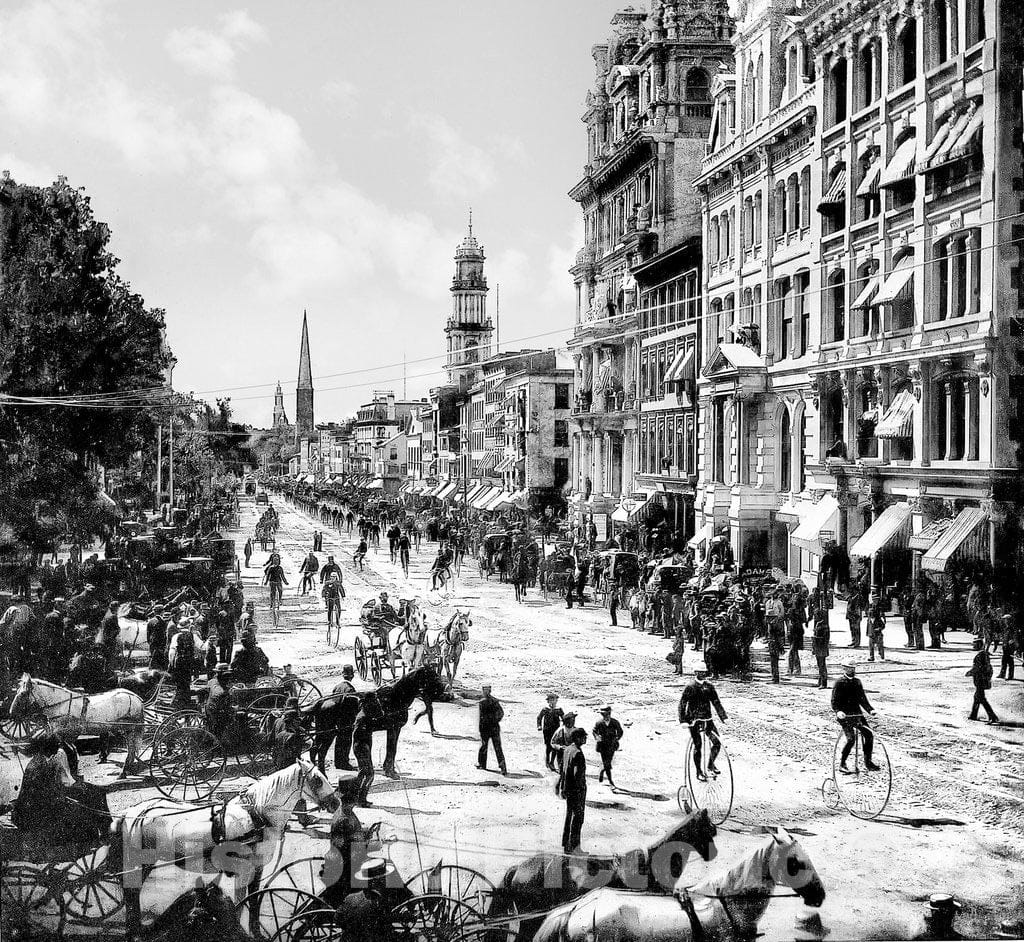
{"x": 304, "y": 387}
{"x": 280, "y": 419}
{"x": 469, "y": 330}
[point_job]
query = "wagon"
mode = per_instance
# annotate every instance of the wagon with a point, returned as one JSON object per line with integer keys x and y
{"x": 374, "y": 648}
{"x": 619, "y": 576}
{"x": 556, "y": 573}
{"x": 491, "y": 546}
{"x": 188, "y": 763}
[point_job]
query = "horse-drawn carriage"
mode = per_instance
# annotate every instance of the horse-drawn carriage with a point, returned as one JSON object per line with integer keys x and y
{"x": 556, "y": 572}
{"x": 493, "y": 554}
{"x": 618, "y": 575}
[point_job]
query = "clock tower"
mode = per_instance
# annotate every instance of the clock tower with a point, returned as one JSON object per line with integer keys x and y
{"x": 469, "y": 331}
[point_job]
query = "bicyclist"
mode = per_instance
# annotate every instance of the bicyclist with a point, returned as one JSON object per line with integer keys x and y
{"x": 360, "y": 554}
{"x": 695, "y": 704}
{"x": 403, "y": 552}
{"x": 850, "y": 704}
{"x": 274, "y": 577}
{"x": 441, "y": 567}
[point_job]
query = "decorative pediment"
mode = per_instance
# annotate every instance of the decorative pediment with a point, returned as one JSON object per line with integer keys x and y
{"x": 733, "y": 358}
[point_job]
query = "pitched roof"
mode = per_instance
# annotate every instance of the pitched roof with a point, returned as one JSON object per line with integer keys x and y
{"x": 305, "y": 370}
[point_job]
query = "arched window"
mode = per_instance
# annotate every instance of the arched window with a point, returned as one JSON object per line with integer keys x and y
{"x": 715, "y": 325}
{"x": 713, "y": 241}
{"x": 780, "y": 209}
{"x": 757, "y": 218}
{"x": 801, "y": 435}
{"x": 728, "y": 318}
{"x": 837, "y": 87}
{"x": 785, "y": 451}
{"x": 748, "y": 96}
{"x": 868, "y": 73}
{"x": 791, "y": 71}
{"x": 759, "y": 88}
{"x": 836, "y": 304}
{"x": 792, "y": 203}
{"x": 724, "y": 248}
{"x": 906, "y": 53}
{"x": 697, "y": 85}
{"x": 805, "y": 197}
{"x": 939, "y": 32}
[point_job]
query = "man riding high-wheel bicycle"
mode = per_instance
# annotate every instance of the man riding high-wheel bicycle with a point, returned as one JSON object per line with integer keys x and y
{"x": 695, "y": 704}
{"x": 850, "y": 704}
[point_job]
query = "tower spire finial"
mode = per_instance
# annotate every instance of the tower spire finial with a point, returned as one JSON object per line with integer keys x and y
{"x": 471, "y": 220}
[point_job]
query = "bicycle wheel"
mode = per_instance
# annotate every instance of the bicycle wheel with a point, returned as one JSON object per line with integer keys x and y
{"x": 864, "y": 793}
{"x": 715, "y": 792}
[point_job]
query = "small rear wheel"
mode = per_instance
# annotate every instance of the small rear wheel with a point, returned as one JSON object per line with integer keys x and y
{"x": 376, "y": 673}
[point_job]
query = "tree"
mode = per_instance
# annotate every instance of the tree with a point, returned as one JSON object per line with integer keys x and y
{"x": 69, "y": 326}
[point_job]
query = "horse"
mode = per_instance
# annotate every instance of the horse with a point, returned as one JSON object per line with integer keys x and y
{"x": 544, "y": 881}
{"x": 202, "y": 914}
{"x": 78, "y": 713}
{"x": 395, "y": 700}
{"x": 728, "y": 906}
{"x": 638, "y": 605}
{"x": 452, "y": 641}
{"x": 238, "y": 835}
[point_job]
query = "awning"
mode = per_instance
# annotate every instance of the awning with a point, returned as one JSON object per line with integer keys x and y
{"x": 937, "y": 143}
{"x": 965, "y": 538}
{"x": 406, "y": 487}
{"x": 868, "y": 292}
{"x": 499, "y": 501}
{"x": 630, "y": 508}
{"x": 821, "y": 518}
{"x": 897, "y": 281}
{"x": 901, "y": 167}
{"x": 891, "y": 527}
{"x": 488, "y": 461}
{"x": 505, "y": 464}
{"x": 967, "y": 142}
{"x": 475, "y": 489}
{"x": 377, "y": 484}
{"x": 446, "y": 491}
{"x": 924, "y": 540}
{"x": 484, "y": 497}
{"x": 702, "y": 535}
{"x": 432, "y": 491}
{"x": 681, "y": 368}
{"x": 869, "y": 185}
{"x": 898, "y": 420}
{"x": 788, "y": 513}
{"x": 836, "y": 194}
{"x": 956, "y": 138}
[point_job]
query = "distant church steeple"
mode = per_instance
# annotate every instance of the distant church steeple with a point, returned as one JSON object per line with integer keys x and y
{"x": 280, "y": 419}
{"x": 304, "y": 387}
{"x": 469, "y": 330}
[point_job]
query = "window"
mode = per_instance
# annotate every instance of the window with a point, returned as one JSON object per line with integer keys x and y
{"x": 785, "y": 451}
{"x": 561, "y": 433}
{"x": 715, "y": 325}
{"x": 957, "y": 277}
{"x": 805, "y": 197}
{"x": 757, "y": 218}
{"x": 713, "y": 241}
{"x": 697, "y": 85}
{"x": 728, "y": 318}
{"x": 836, "y": 304}
{"x": 868, "y": 73}
{"x": 748, "y": 96}
{"x": 906, "y": 54}
{"x": 718, "y": 456}
{"x": 561, "y": 395}
{"x": 759, "y": 88}
{"x": 747, "y": 422}
{"x": 784, "y": 302}
{"x": 801, "y": 441}
{"x": 975, "y": 15}
{"x": 791, "y": 71}
{"x": 837, "y": 86}
{"x": 780, "y": 209}
{"x": 941, "y": 42}
{"x": 561, "y": 472}
{"x": 801, "y": 284}
{"x": 792, "y": 203}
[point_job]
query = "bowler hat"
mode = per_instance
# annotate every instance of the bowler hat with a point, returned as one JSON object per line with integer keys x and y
{"x": 222, "y": 668}
{"x": 375, "y": 868}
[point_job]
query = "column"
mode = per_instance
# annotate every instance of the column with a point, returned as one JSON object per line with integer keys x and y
{"x": 923, "y": 418}
{"x": 948, "y": 389}
{"x": 849, "y": 404}
{"x": 609, "y": 462}
{"x": 970, "y": 420}
{"x": 596, "y": 441}
{"x": 628, "y": 438}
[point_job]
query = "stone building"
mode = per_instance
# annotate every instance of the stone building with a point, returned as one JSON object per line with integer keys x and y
{"x": 469, "y": 331}
{"x": 647, "y": 121}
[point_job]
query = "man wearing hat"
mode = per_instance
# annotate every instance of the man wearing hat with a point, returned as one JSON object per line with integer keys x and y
{"x": 695, "y": 705}
{"x": 548, "y": 721}
{"x": 219, "y": 712}
{"x": 369, "y": 718}
{"x": 365, "y": 916}
{"x": 491, "y": 715}
{"x": 560, "y": 740}
{"x": 939, "y": 916}
{"x": 607, "y": 733}
{"x": 981, "y": 672}
{"x": 850, "y": 704}
{"x": 249, "y": 662}
{"x": 572, "y": 785}
{"x": 331, "y": 726}
{"x": 347, "y": 851}
{"x": 288, "y": 737}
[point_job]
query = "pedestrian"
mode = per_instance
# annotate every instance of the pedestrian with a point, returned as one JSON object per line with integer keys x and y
{"x": 981, "y": 671}
{"x": 225, "y": 636}
{"x": 820, "y": 645}
{"x": 876, "y": 627}
{"x": 607, "y": 733}
{"x": 548, "y": 721}
{"x": 613, "y": 605}
{"x": 248, "y": 551}
{"x": 491, "y": 715}
{"x": 796, "y": 637}
{"x": 572, "y": 786}
{"x": 370, "y": 715}
{"x": 854, "y": 615}
{"x": 1009, "y": 641}
{"x": 561, "y": 738}
{"x": 776, "y": 642}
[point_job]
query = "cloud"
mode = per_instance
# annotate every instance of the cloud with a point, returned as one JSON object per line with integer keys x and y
{"x": 458, "y": 167}
{"x": 213, "y": 54}
{"x": 27, "y": 172}
{"x": 340, "y": 92}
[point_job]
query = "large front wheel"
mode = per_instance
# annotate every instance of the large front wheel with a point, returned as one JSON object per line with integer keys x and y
{"x": 863, "y": 791}
{"x": 708, "y": 789}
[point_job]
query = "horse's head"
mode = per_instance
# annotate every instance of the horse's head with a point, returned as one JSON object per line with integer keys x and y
{"x": 696, "y": 830}
{"x": 315, "y": 786}
{"x": 789, "y": 865}
{"x": 22, "y": 695}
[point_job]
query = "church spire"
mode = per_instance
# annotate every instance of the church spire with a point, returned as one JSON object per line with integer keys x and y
{"x": 305, "y": 371}
{"x": 304, "y": 387}
{"x": 280, "y": 418}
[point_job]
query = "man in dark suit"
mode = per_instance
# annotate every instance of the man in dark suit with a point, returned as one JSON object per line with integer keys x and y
{"x": 851, "y": 705}
{"x": 573, "y": 788}
{"x": 491, "y": 715}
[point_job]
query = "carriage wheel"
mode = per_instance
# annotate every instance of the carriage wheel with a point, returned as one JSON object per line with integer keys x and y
{"x": 304, "y": 874}
{"x": 434, "y": 916}
{"x": 359, "y": 653}
{"x": 264, "y": 912}
{"x": 305, "y": 691}
{"x": 25, "y": 896}
{"x": 189, "y": 763}
{"x": 317, "y": 925}
{"x": 21, "y": 729}
{"x": 376, "y": 673}
{"x": 715, "y": 794}
{"x": 459, "y": 883}
{"x": 865, "y": 794}
{"x": 92, "y": 894}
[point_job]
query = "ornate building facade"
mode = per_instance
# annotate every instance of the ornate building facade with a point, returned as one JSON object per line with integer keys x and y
{"x": 469, "y": 330}
{"x": 637, "y": 275}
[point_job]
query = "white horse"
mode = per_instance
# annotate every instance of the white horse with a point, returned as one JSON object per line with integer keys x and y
{"x": 453, "y": 640}
{"x": 116, "y": 711}
{"x": 725, "y": 907}
{"x": 236, "y": 838}
{"x": 412, "y": 641}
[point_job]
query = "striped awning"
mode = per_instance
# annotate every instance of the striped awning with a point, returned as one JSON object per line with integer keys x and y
{"x": 901, "y": 166}
{"x": 965, "y": 538}
{"x": 681, "y": 369}
{"x": 898, "y": 284}
{"x": 898, "y": 420}
{"x": 820, "y": 519}
{"x": 484, "y": 497}
{"x": 836, "y": 193}
{"x": 892, "y": 527}
{"x": 702, "y": 535}
{"x": 406, "y": 487}
{"x": 447, "y": 490}
{"x": 958, "y": 137}
{"x": 432, "y": 491}
{"x": 506, "y": 464}
{"x": 869, "y": 185}
{"x": 867, "y": 294}
{"x": 488, "y": 461}
{"x": 499, "y": 501}
{"x": 630, "y": 508}
{"x": 924, "y": 540}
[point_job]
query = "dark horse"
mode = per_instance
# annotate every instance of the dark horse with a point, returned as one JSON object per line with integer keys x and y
{"x": 545, "y": 881}
{"x": 338, "y": 715}
{"x": 203, "y": 914}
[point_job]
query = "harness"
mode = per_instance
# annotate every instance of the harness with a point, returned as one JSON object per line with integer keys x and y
{"x": 218, "y": 823}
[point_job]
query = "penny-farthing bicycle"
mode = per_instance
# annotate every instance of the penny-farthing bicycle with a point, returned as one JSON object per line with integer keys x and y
{"x": 862, "y": 791}
{"x": 705, "y": 788}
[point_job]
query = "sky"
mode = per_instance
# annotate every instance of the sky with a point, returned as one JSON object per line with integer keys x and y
{"x": 258, "y": 160}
